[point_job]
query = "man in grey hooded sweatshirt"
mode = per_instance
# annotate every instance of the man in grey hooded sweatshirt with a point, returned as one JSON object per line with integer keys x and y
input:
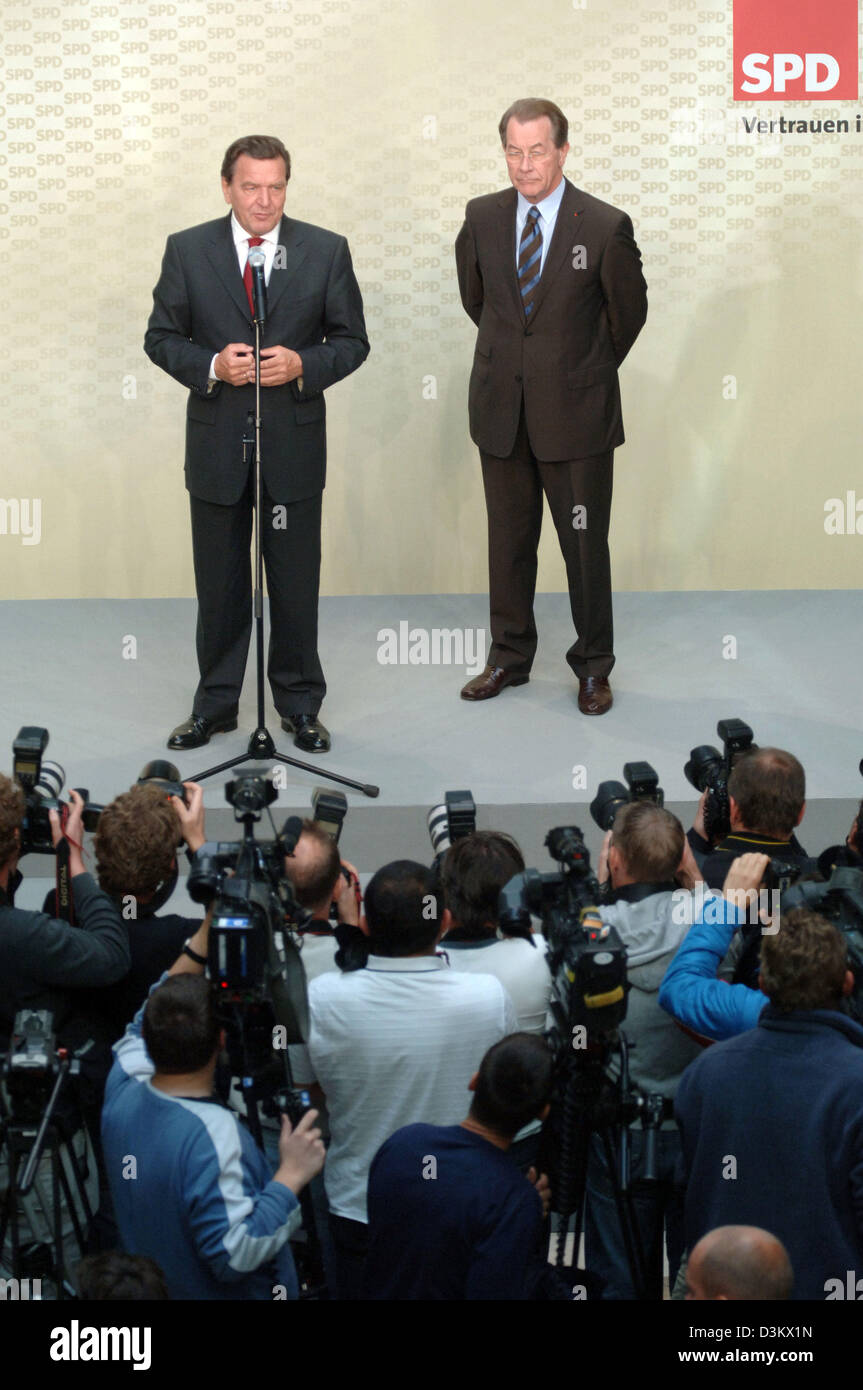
{"x": 648, "y": 862}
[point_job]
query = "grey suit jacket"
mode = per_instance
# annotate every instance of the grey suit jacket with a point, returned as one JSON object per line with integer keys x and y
{"x": 200, "y": 305}
{"x": 588, "y": 310}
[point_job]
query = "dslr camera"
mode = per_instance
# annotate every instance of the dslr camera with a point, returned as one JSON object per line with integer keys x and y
{"x": 708, "y": 770}
{"x": 42, "y": 782}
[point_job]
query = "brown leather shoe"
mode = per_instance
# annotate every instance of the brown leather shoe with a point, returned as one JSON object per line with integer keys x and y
{"x": 594, "y": 694}
{"x": 491, "y": 682}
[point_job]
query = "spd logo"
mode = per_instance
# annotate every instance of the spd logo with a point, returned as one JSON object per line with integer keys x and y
{"x": 795, "y": 50}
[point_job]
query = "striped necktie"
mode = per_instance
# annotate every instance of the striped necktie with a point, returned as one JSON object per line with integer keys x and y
{"x": 529, "y": 260}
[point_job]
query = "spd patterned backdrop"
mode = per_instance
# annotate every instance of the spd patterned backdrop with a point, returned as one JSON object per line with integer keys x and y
{"x": 742, "y": 398}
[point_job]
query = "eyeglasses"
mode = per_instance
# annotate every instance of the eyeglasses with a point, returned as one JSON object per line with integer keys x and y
{"x": 536, "y": 156}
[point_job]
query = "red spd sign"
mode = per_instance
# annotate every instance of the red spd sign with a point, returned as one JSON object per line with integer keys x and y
{"x": 795, "y": 50}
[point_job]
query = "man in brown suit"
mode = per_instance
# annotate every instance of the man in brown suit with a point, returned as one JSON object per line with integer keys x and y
{"x": 552, "y": 278}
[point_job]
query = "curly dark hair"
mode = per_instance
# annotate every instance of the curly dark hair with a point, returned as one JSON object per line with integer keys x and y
{"x": 803, "y": 965}
{"x": 136, "y": 842}
{"x": 12, "y": 807}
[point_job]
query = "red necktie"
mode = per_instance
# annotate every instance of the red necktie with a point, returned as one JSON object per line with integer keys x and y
{"x": 247, "y": 273}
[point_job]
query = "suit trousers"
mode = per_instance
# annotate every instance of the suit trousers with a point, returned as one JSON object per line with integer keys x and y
{"x": 291, "y": 542}
{"x": 513, "y": 494}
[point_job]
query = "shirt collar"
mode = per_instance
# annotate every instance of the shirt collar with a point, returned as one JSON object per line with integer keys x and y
{"x": 407, "y": 965}
{"x": 548, "y": 207}
{"x": 241, "y": 236}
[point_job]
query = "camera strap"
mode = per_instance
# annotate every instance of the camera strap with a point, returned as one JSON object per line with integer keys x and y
{"x": 64, "y": 902}
{"x": 65, "y": 908}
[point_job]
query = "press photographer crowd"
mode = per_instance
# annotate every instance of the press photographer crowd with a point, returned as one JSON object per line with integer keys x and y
{"x": 470, "y": 1080}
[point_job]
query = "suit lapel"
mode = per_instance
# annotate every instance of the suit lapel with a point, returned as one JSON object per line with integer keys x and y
{"x": 290, "y": 254}
{"x": 508, "y": 204}
{"x": 561, "y": 243}
{"x": 222, "y": 255}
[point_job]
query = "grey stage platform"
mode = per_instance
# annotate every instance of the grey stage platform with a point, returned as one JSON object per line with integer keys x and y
{"x": 796, "y": 679}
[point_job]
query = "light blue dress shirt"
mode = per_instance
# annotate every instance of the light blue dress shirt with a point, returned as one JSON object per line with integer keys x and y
{"x": 548, "y": 210}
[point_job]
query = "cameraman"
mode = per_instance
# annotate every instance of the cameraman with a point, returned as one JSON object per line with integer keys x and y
{"x": 767, "y": 801}
{"x": 201, "y": 1200}
{"x": 42, "y": 959}
{"x": 647, "y": 860}
{"x": 319, "y": 878}
{"x": 136, "y": 863}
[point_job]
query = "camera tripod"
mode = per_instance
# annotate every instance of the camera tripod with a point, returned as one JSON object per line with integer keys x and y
{"x": 589, "y": 1103}
{"x": 266, "y": 1086}
{"x": 24, "y": 1141}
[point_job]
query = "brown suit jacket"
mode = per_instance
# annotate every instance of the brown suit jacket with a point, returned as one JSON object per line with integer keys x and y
{"x": 588, "y": 310}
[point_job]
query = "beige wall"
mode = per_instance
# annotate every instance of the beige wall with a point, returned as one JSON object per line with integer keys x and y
{"x": 741, "y": 399}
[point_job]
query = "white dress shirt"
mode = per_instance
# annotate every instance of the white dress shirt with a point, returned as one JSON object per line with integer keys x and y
{"x": 270, "y": 241}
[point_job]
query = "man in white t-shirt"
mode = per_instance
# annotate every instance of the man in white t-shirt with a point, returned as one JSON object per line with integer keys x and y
{"x": 392, "y": 1044}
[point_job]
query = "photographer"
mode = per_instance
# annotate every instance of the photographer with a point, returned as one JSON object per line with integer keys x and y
{"x": 475, "y": 869}
{"x": 42, "y": 959}
{"x": 647, "y": 860}
{"x": 201, "y": 1200}
{"x": 767, "y": 801}
{"x": 391, "y": 1043}
{"x": 319, "y": 878}
{"x": 136, "y": 863}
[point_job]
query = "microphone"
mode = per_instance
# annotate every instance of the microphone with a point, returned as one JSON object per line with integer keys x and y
{"x": 257, "y": 261}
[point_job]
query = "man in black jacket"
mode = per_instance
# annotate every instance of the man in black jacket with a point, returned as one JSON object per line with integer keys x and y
{"x": 767, "y": 801}
{"x": 42, "y": 959}
{"x": 136, "y": 848}
{"x": 201, "y": 333}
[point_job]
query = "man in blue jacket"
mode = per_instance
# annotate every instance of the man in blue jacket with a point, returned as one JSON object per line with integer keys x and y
{"x": 690, "y": 990}
{"x": 190, "y": 1188}
{"x": 772, "y": 1121}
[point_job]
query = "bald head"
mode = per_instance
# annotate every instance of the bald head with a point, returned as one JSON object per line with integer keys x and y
{"x": 314, "y": 868}
{"x": 738, "y": 1263}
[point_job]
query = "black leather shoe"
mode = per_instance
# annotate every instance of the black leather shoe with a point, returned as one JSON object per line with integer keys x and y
{"x": 197, "y": 731}
{"x": 309, "y": 733}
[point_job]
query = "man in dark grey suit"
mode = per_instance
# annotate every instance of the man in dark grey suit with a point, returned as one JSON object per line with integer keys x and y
{"x": 200, "y": 332}
{"x": 552, "y": 278}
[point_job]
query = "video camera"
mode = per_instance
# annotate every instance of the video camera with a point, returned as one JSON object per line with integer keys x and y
{"x": 253, "y": 958}
{"x": 708, "y": 770}
{"x": 32, "y": 1064}
{"x": 587, "y": 958}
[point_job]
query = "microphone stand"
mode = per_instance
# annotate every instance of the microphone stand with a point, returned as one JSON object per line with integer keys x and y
{"x": 261, "y": 747}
